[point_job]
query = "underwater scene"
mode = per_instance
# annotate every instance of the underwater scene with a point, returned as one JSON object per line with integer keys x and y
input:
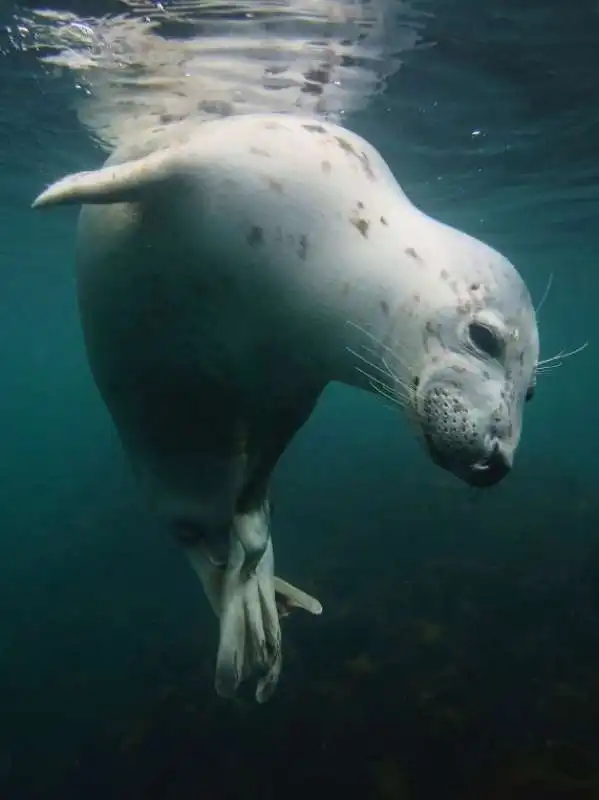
{"x": 432, "y": 476}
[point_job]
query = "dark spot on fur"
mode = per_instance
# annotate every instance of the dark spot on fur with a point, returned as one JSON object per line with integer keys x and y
{"x": 409, "y": 251}
{"x": 314, "y": 128}
{"x": 366, "y": 166}
{"x": 384, "y": 221}
{"x": 303, "y": 247}
{"x": 444, "y": 274}
{"x": 219, "y": 107}
{"x": 487, "y": 375}
{"x": 415, "y": 382}
{"x": 275, "y": 69}
{"x": 165, "y": 119}
{"x": 255, "y": 236}
{"x": 430, "y": 328}
{"x": 360, "y": 204}
{"x": 362, "y": 225}
{"x": 257, "y": 151}
{"x": 326, "y": 167}
{"x": 345, "y": 145}
{"x": 416, "y": 298}
{"x": 384, "y": 306}
{"x": 474, "y": 287}
{"x": 276, "y": 186}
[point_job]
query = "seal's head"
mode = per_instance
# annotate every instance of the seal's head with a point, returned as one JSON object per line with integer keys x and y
{"x": 478, "y": 353}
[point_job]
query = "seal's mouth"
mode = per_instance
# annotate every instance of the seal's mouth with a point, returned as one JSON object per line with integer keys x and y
{"x": 491, "y": 470}
{"x": 483, "y": 473}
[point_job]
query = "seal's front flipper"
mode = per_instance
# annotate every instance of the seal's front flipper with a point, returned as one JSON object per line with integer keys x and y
{"x": 117, "y": 183}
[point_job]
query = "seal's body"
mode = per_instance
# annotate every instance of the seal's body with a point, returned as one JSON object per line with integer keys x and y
{"x": 225, "y": 278}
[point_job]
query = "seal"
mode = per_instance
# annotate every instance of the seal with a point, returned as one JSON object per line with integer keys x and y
{"x": 225, "y": 278}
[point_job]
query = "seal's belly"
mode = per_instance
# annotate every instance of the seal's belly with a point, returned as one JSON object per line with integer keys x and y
{"x": 185, "y": 362}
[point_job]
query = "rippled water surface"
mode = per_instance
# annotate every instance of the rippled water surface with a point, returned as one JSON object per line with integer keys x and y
{"x": 458, "y": 654}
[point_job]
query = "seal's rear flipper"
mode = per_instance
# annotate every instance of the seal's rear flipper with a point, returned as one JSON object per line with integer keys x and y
{"x": 119, "y": 183}
{"x": 249, "y": 606}
{"x": 211, "y": 573}
{"x": 289, "y": 597}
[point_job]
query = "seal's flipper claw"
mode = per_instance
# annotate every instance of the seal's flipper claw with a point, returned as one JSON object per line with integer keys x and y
{"x": 268, "y": 684}
{"x": 289, "y": 597}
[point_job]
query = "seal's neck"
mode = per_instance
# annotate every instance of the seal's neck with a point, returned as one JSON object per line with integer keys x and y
{"x": 376, "y": 304}
{"x": 391, "y": 291}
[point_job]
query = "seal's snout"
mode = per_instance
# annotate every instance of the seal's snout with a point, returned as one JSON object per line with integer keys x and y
{"x": 490, "y": 470}
{"x": 482, "y": 473}
{"x": 464, "y": 438}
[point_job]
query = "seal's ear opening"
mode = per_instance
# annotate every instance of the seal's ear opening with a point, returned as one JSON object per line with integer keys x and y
{"x": 121, "y": 183}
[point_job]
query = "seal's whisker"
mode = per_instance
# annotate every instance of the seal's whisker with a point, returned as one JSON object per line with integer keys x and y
{"x": 547, "y": 371}
{"x": 384, "y": 389}
{"x": 405, "y": 388}
{"x": 372, "y": 379}
{"x": 548, "y": 368}
{"x": 394, "y": 386}
{"x": 401, "y": 365}
{"x": 562, "y": 355}
{"x": 545, "y": 294}
{"x": 387, "y": 395}
{"x": 393, "y": 351}
{"x": 384, "y": 370}
{"x": 399, "y": 360}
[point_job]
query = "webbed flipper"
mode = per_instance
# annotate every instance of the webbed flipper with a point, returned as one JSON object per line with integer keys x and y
{"x": 249, "y": 602}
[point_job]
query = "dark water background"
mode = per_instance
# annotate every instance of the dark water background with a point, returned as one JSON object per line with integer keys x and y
{"x": 458, "y": 655}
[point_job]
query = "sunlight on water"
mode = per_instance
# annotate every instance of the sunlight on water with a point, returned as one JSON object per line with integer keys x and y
{"x": 163, "y": 63}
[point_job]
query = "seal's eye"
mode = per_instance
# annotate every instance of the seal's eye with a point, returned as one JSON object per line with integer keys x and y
{"x": 530, "y": 393}
{"x": 485, "y": 339}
